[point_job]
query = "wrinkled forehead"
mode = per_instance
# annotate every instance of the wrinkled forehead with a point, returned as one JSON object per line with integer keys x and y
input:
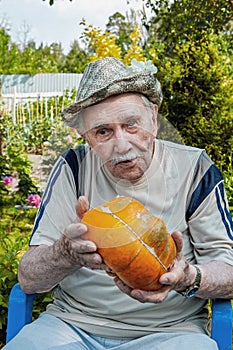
{"x": 114, "y": 110}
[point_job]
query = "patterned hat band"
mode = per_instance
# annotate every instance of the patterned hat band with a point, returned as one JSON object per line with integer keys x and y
{"x": 109, "y": 76}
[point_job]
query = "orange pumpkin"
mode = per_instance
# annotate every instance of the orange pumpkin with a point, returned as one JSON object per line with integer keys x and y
{"x": 132, "y": 242}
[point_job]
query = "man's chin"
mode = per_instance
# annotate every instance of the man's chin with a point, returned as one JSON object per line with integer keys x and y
{"x": 127, "y": 174}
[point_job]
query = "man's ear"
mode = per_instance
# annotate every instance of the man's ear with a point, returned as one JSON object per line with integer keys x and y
{"x": 155, "y": 120}
{"x": 87, "y": 139}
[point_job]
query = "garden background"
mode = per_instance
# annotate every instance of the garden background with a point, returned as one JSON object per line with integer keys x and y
{"x": 191, "y": 43}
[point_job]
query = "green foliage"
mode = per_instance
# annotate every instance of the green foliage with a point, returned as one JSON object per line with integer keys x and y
{"x": 76, "y": 59}
{"x": 20, "y": 165}
{"x": 15, "y": 230}
{"x": 199, "y": 93}
{"x": 121, "y": 26}
{"x": 14, "y": 162}
{"x": 36, "y": 121}
{"x": 29, "y": 59}
{"x": 180, "y": 20}
{"x": 38, "y": 133}
{"x": 14, "y": 233}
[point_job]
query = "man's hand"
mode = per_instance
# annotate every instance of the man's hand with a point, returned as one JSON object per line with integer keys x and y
{"x": 44, "y": 266}
{"x": 80, "y": 251}
{"x": 179, "y": 277}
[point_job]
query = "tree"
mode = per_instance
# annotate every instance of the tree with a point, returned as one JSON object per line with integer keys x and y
{"x": 8, "y": 53}
{"x": 121, "y": 27}
{"x": 100, "y": 43}
{"x": 192, "y": 45}
{"x": 28, "y": 59}
{"x": 33, "y": 60}
{"x": 76, "y": 59}
{"x": 179, "y": 19}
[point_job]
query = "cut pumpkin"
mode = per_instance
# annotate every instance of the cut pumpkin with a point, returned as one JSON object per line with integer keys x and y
{"x": 132, "y": 242}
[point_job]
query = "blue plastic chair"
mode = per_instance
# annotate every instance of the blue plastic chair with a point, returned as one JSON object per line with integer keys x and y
{"x": 20, "y": 307}
{"x": 21, "y": 304}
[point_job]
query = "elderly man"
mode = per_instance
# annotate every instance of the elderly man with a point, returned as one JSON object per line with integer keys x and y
{"x": 116, "y": 112}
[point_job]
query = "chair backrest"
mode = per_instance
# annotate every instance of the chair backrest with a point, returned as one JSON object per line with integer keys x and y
{"x": 21, "y": 304}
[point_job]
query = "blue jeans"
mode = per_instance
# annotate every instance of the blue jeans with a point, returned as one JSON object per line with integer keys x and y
{"x": 50, "y": 333}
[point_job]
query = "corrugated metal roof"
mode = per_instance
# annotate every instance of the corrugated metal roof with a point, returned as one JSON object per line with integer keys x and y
{"x": 48, "y": 84}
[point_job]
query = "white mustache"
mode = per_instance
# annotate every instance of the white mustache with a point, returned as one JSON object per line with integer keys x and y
{"x": 124, "y": 158}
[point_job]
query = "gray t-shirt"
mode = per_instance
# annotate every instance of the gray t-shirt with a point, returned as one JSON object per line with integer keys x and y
{"x": 184, "y": 188}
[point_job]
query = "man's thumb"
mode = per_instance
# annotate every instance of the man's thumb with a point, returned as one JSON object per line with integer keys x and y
{"x": 82, "y": 207}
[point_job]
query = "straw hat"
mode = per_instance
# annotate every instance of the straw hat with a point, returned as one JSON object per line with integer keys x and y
{"x": 109, "y": 76}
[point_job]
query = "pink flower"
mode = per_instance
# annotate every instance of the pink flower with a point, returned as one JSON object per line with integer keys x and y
{"x": 34, "y": 200}
{"x": 7, "y": 180}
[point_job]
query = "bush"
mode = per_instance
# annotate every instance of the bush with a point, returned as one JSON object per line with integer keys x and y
{"x": 197, "y": 82}
{"x": 15, "y": 230}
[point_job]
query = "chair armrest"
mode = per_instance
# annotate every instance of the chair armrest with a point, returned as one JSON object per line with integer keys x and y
{"x": 222, "y": 323}
{"x": 19, "y": 311}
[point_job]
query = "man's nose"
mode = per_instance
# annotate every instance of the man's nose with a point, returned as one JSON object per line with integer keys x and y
{"x": 122, "y": 142}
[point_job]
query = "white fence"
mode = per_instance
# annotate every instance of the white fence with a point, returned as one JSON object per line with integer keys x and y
{"x": 24, "y": 108}
{"x": 26, "y": 97}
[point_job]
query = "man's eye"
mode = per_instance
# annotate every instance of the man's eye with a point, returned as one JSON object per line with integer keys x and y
{"x": 102, "y": 132}
{"x": 132, "y": 123}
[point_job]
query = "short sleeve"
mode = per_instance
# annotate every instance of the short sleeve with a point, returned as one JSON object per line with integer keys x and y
{"x": 209, "y": 219}
{"x": 58, "y": 206}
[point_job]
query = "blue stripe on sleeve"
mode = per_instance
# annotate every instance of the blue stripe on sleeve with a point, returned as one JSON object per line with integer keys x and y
{"x": 74, "y": 159}
{"x": 225, "y": 214}
{"x": 47, "y": 194}
{"x": 210, "y": 179}
{"x": 71, "y": 159}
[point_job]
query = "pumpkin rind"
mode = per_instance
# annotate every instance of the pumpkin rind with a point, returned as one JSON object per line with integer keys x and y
{"x": 132, "y": 242}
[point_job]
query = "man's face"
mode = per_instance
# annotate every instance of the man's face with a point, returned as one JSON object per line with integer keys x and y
{"x": 120, "y": 130}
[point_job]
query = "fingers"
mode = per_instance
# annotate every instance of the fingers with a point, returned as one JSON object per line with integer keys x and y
{"x": 75, "y": 230}
{"x": 78, "y": 245}
{"x": 155, "y": 297}
{"x": 175, "y": 275}
{"x": 82, "y": 246}
{"x": 82, "y": 207}
{"x": 122, "y": 286}
{"x": 144, "y": 296}
{"x": 177, "y": 237}
{"x": 91, "y": 260}
{"x": 81, "y": 252}
{"x": 176, "y": 271}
